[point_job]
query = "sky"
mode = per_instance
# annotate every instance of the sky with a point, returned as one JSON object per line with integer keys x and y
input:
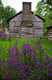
{"x": 17, "y": 4}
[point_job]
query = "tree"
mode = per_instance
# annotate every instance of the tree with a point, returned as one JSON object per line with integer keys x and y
{"x": 5, "y": 13}
{"x": 49, "y": 2}
{"x": 1, "y": 11}
{"x": 8, "y": 12}
{"x": 44, "y": 9}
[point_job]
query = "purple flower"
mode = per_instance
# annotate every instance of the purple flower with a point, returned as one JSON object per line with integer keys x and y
{"x": 34, "y": 55}
{"x": 23, "y": 79}
{"x": 49, "y": 72}
{"x": 46, "y": 55}
{"x": 8, "y": 61}
{"x": 6, "y": 75}
{"x": 51, "y": 58}
{"x": 29, "y": 55}
{"x": 28, "y": 73}
{"x": 47, "y": 60}
{"x": 22, "y": 70}
{"x": 39, "y": 49}
{"x": 34, "y": 42}
{"x": 33, "y": 51}
{"x": 28, "y": 62}
{"x": 0, "y": 60}
{"x": 15, "y": 59}
{"x": 16, "y": 41}
{"x": 8, "y": 49}
{"x": 3, "y": 52}
{"x": 29, "y": 69}
{"x": 41, "y": 70}
{"x": 38, "y": 36}
{"x": 34, "y": 75}
{"x": 37, "y": 46}
{"x": 4, "y": 34}
{"x": 38, "y": 54}
{"x": 39, "y": 78}
{"x": 32, "y": 37}
{"x": 51, "y": 47}
{"x": 13, "y": 70}
{"x": 19, "y": 74}
{"x": 10, "y": 35}
{"x": 35, "y": 33}
{"x": 37, "y": 64}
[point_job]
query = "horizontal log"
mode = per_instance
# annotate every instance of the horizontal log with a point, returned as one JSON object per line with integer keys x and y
{"x": 37, "y": 27}
{"x": 50, "y": 36}
{"x": 15, "y": 24}
{"x": 49, "y": 32}
{"x": 38, "y": 30}
{"x": 26, "y": 28}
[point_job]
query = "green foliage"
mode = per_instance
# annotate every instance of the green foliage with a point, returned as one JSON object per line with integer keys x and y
{"x": 44, "y": 9}
{"x": 48, "y": 21}
{"x": 34, "y": 13}
{"x": 6, "y": 13}
{"x": 49, "y": 2}
{"x": 9, "y": 12}
{"x": 1, "y": 31}
{"x": 1, "y": 11}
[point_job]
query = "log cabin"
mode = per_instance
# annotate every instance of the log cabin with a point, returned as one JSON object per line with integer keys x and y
{"x": 25, "y": 24}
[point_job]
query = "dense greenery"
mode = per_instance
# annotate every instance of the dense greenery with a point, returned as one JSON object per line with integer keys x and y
{"x": 5, "y": 13}
{"x": 1, "y": 11}
{"x": 44, "y": 9}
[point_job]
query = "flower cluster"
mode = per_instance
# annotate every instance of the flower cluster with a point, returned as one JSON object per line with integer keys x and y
{"x": 5, "y": 36}
{"x": 27, "y": 64}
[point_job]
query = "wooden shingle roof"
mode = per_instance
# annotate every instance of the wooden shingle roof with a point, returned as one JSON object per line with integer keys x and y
{"x": 20, "y": 13}
{"x": 50, "y": 26}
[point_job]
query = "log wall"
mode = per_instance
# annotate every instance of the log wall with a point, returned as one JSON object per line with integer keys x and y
{"x": 37, "y": 29}
{"x": 49, "y": 34}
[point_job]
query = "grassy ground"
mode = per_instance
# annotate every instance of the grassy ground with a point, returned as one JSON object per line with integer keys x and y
{"x": 46, "y": 45}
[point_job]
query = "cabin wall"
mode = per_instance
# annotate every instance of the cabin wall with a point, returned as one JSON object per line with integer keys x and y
{"x": 17, "y": 30}
{"x": 26, "y": 32}
{"x": 14, "y": 25}
{"x": 38, "y": 26}
{"x": 49, "y": 34}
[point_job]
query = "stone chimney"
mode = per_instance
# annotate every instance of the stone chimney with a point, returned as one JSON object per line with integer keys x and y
{"x": 26, "y": 14}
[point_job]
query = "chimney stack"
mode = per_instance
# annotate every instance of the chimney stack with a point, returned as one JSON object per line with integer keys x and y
{"x": 26, "y": 14}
